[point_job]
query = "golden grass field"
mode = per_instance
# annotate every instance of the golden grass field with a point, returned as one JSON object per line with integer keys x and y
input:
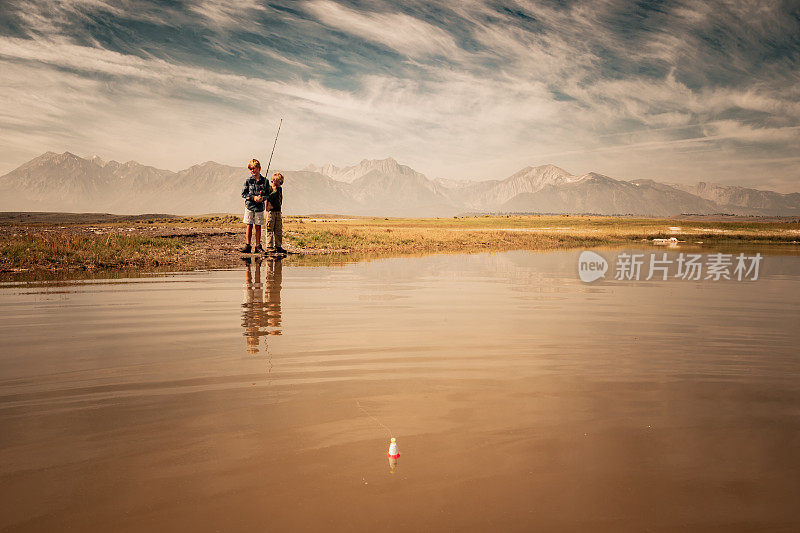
{"x": 80, "y": 242}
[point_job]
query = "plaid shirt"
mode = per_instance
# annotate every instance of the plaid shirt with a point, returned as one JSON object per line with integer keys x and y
{"x": 253, "y": 188}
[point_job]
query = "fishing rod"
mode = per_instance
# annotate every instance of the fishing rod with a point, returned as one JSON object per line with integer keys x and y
{"x": 273, "y": 147}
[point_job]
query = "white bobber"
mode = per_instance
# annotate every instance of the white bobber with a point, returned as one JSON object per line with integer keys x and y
{"x": 394, "y": 453}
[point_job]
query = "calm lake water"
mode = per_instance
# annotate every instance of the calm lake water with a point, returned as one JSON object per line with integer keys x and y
{"x": 521, "y": 398}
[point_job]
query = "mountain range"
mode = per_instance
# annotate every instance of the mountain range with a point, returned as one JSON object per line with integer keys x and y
{"x": 69, "y": 183}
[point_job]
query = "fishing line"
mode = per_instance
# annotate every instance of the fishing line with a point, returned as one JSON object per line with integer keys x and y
{"x": 384, "y": 426}
{"x": 273, "y": 147}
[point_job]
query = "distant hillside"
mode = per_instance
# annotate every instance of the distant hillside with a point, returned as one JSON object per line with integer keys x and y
{"x": 66, "y": 182}
{"x": 595, "y": 193}
{"x": 69, "y": 183}
{"x": 741, "y": 200}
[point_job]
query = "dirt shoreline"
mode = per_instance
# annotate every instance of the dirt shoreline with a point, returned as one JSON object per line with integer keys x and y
{"x": 74, "y": 242}
{"x": 195, "y": 247}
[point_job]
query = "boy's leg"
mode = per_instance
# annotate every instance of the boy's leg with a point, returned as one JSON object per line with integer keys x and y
{"x": 259, "y": 221}
{"x": 249, "y": 233}
{"x": 278, "y": 238}
{"x": 270, "y": 229}
{"x": 248, "y": 221}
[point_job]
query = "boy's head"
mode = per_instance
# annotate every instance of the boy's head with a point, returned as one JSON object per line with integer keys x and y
{"x": 277, "y": 179}
{"x": 254, "y": 166}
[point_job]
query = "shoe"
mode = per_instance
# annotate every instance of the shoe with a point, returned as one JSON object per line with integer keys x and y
{"x": 245, "y": 250}
{"x": 258, "y": 250}
{"x": 280, "y": 250}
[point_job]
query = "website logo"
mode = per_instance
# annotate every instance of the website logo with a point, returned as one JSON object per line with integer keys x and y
{"x": 591, "y": 266}
{"x": 686, "y": 266}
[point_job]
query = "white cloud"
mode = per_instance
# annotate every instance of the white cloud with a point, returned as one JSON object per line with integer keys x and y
{"x": 224, "y": 14}
{"x": 480, "y": 113}
{"x": 400, "y": 32}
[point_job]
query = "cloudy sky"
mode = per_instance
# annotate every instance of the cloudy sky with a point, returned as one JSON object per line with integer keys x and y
{"x": 673, "y": 91}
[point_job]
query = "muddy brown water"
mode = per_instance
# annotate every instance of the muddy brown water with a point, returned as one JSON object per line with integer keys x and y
{"x": 263, "y": 398}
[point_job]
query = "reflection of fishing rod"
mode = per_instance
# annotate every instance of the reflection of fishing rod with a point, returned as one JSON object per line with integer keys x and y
{"x": 273, "y": 147}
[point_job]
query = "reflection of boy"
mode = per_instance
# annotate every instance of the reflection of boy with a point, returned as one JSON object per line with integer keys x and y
{"x": 261, "y": 308}
{"x": 274, "y": 220}
{"x": 253, "y": 192}
{"x": 272, "y": 296}
{"x": 252, "y": 307}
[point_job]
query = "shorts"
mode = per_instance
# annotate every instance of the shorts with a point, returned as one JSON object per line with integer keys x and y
{"x": 253, "y": 217}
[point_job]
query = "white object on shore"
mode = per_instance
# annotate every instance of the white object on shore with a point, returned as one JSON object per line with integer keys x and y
{"x": 671, "y": 240}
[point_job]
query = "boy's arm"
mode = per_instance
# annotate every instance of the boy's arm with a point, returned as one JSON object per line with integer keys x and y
{"x": 268, "y": 204}
{"x": 275, "y": 198}
{"x": 246, "y": 193}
